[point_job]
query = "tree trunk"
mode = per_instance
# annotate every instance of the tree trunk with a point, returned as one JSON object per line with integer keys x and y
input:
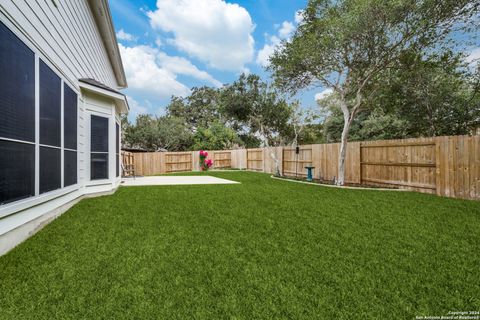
{"x": 347, "y": 117}
{"x": 272, "y": 153}
{"x": 343, "y": 153}
{"x": 277, "y": 163}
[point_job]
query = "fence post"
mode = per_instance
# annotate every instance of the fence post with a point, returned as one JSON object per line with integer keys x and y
{"x": 360, "y": 162}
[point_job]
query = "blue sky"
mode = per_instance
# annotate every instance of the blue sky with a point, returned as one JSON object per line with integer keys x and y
{"x": 169, "y": 46}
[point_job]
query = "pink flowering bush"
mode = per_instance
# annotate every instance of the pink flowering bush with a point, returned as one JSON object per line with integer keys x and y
{"x": 204, "y": 163}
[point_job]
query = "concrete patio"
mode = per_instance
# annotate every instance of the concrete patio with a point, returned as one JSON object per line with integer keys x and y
{"x": 174, "y": 180}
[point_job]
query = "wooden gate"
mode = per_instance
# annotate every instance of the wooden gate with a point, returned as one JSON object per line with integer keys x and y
{"x": 178, "y": 161}
{"x": 222, "y": 159}
{"x": 294, "y": 164}
{"x": 128, "y": 163}
{"x": 255, "y": 159}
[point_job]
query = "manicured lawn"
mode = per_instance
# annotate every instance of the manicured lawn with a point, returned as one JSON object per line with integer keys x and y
{"x": 264, "y": 249}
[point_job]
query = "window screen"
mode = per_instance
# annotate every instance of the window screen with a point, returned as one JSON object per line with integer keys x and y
{"x": 50, "y": 169}
{"x": 70, "y": 118}
{"x": 99, "y": 134}
{"x": 117, "y": 159}
{"x": 70, "y": 169}
{"x": 99, "y": 166}
{"x": 17, "y": 171}
{"x": 99, "y": 148}
{"x": 17, "y": 88}
{"x": 50, "y": 106}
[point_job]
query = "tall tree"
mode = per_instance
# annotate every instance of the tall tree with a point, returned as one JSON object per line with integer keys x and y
{"x": 199, "y": 109}
{"x": 216, "y": 137}
{"x": 154, "y": 133}
{"x": 347, "y": 44}
{"x": 439, "y": 95}
{"x": 255, "y": 109}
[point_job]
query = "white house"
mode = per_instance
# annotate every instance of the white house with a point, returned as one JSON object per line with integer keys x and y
{"x": 60, "y": 72}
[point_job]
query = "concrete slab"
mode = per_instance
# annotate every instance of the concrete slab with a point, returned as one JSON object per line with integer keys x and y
{"x": 174, "y": 180}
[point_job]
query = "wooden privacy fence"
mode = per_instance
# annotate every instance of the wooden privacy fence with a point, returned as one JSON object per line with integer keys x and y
{"x": 294, "y": 163}
{"x": 222, "y": 159}
{"x": 178, "y": 162}
{"x": 255, "y": 159}
{"x": 447, "y": 166}
{"x": 403, "y": 163}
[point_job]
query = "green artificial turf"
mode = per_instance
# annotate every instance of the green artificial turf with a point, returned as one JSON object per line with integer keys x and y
{"x": 263, "y": 249}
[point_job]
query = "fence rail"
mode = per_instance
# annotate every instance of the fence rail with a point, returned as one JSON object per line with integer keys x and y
{"x": 446, "y": 166}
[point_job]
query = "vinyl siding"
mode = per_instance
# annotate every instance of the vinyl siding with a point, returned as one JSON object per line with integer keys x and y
{"x": 65, "y": 34}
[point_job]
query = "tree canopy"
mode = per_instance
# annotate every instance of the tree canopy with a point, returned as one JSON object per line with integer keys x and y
{"x": 246, "y": 113}
{"x": 348, "y": 45}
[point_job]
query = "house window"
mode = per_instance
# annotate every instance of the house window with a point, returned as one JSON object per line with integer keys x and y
{"x": 17, "y": 171}
{"x": 117, "y": 153}
{"x": 31, "y": 143}
{"x": 50, "y": 166}
{"x": 17, "y": 120}
{"x": 70, "y": 136}
{"x": 50, "y": 129}
{"x": 98, "y": 148}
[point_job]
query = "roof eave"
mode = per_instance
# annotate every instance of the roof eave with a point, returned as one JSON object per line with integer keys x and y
{"x": 103, "y": 18}
{"x": 120, "y": 100}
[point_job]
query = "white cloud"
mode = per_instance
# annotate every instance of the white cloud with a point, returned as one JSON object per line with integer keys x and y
{"x": 473, "y": 56}
{"x": 145, "y": 74}
{"x": 152, "y": 71}
{"x": 158, "y": 42}
{"x": 322, "y": 95}
{"x": 135, "y": 108}
{"x": 213, "y": 31}
{"x": 179, "y": 65}
{"x": 122, "y": 35}
{"x": 263, "y": 56}
{"x": 285, "y": 32}
{"x": 299, "y": 17}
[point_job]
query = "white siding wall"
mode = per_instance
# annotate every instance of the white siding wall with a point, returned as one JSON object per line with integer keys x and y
{"x": 66, "y": 34}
